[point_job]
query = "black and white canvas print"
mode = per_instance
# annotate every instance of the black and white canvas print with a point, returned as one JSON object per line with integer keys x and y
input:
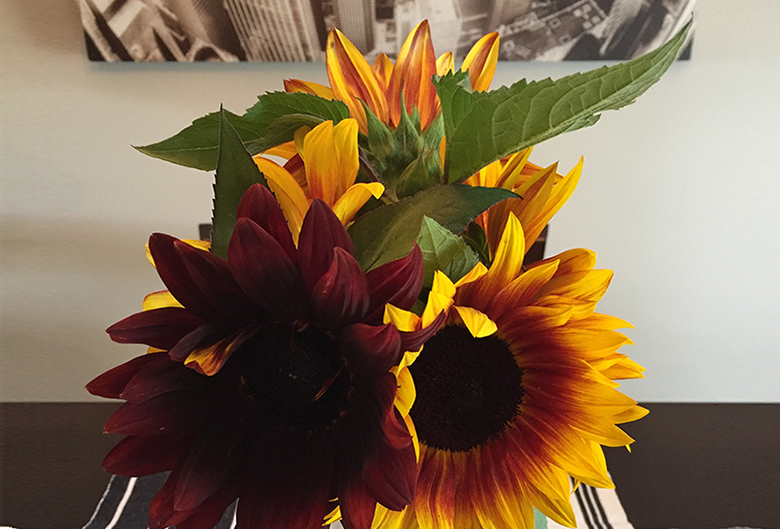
{"x": 296, "y": 30}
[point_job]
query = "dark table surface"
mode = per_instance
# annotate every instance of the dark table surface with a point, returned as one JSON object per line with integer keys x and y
{"x": 695, "y": 466}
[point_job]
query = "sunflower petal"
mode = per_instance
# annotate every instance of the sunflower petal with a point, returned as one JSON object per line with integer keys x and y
{"x": 411, "y": 79}
{"x": 161, "y": 328}
{"x": 481, "y": 62}
{"x": 259, "y": 205}
{"x": 287, "y": 191}
{"x": 330, "y": 156}
{"x": 340, "y": 296}
{"x": 383, "y": 69}
{"x": 308, "y": 87}
{"x": 265, "y": 272}
{"x": 355, "y": 198}
{"x": 321, "y": 233}
{"x": 445, "y": 64}
{"x": 353, "y": 80}
{"x": 112, "y": 383}
{"x": 371, "y": 350}
{"x": 478, "y": 323}
{"x": 397, "y": 282}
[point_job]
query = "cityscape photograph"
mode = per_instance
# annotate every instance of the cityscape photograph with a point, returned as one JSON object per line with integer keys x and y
{"x": 296, "y": 30}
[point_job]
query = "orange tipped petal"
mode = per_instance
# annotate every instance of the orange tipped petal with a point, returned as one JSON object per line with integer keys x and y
{"x": 481, "y": 62}
{"x": 308, "y": 87}
{"x": 352, "y": 78}
{"x": 412, "y": 74}
{"x": 445, "y": 64}
{"x": 383, "y": 69}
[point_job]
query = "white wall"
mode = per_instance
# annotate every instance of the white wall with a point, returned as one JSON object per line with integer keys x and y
{"x": 679, "y": 196}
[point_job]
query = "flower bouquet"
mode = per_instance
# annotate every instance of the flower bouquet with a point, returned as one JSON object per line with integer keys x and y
{"x": 361, "y": 339}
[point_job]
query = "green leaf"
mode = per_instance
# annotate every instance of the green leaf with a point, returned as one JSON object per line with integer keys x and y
{"x": 282, "y": 130}
{"x": 236, "y": 172}
{"x": 482, "y": 127}
{"x": 445, "y": 251}
{"x": 197, "y": 145}
{"x": 387, "y": 233}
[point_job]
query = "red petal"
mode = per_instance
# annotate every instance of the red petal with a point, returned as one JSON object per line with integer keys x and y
{"x": 391, "y": 475}
{"x": 113, "y": 382}
{"x": 176, "y": 276}
{"x": 260, "y": 205}
{"x": 265, "y": 272}
{"x": 170, "y": 412}
{"x": 210, "y": 459}
{"x": 291, "y": 489}
{"x": 321, "y": 233}
{"x": 161, "y": 328}
{"x": 396, "y": 433}
{"x": 412, "y": 341}
{"x": 144, "y": 455}
{"x": 161, "y": 513}
{"x": 397, "y": 282}
{"x": 208, "y": 514}
{"x": 211, "y": 276}
{"x": 357, "y": 506}
{"x": 340, "y": 296}
{"x": 371, "y": 350}
{"x": 206, "y": 334}
{"x": 158, "y": 377}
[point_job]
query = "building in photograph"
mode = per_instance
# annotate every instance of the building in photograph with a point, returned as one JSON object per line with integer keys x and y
{"x": 356, "y": 19}
{"x": 206, "y": 22}
{"x": 276, "y": 30}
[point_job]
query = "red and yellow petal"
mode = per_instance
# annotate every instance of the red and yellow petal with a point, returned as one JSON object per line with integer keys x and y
{"x": 353, "y": 80}
{"x": 411, "y": 78}
{"x": 481, "y": 62}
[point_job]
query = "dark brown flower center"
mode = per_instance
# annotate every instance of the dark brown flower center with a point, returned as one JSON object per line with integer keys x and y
{"x": 468, "y": 390}
{"x": 295, "y": 377}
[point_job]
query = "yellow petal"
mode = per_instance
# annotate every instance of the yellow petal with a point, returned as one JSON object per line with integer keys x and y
{"x": 159, "y": 300}
{"x": 330, "y": 156}
{"x": 404, "y": 397}
{"x": 478, "y": 323}
{"x": 535, "y": 192}
{"x": 308, "y": 87}
{"x": 356, "y": 196}
{"x": 481, "y": 62}
{"x": 404, "y": 320}
{"x": 383, "y": 69}
{"x": 413, "y": 431}
{"x": 285, "y": 150}
{"x": 558, "y": 197}
{"x": 332, "y": 517}
{"x": 508, "y": 262}
{"x": 352, "y": 79}
{"x": 288, "y": 193}
{"x": 195, "y": 243}
{"x": 475, "y": 273}
{"x": 445, "y": 63}
{"x": 513, "y": 168}
{"x": 412, "y": 73}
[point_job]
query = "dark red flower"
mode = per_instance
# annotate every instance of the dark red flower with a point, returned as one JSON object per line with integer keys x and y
{"x": 272, "y": 383}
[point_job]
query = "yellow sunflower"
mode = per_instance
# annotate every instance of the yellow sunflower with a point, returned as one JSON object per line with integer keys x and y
{"x": 382, "y": 85}
{"x": 516, "y": 393}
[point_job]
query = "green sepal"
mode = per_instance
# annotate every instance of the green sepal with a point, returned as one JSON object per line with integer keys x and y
{"x": 236, "y": 172}
{"x": 482, "y": 127}
{"x": 388, "y": 232}
{"x": 445, "y": 251}
{"x": 197, "y": 146}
